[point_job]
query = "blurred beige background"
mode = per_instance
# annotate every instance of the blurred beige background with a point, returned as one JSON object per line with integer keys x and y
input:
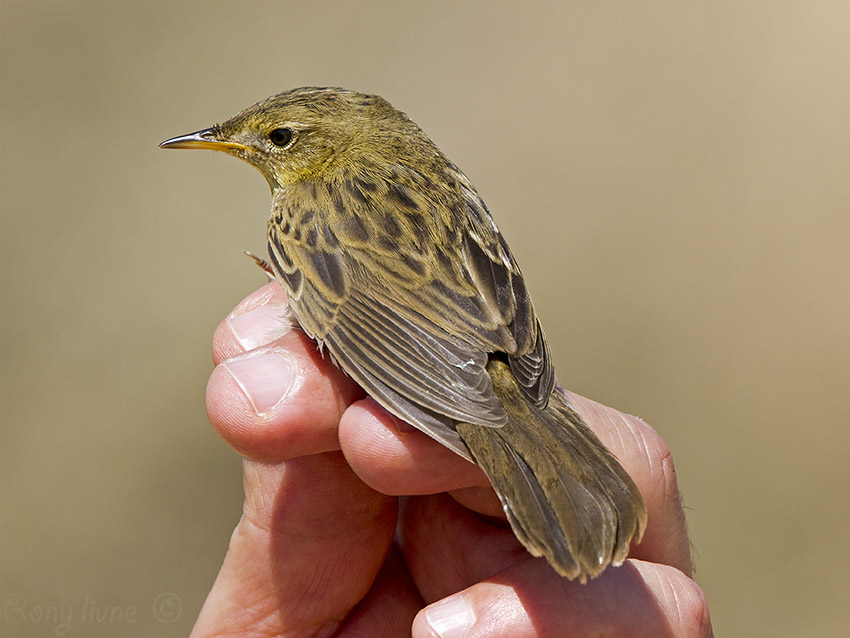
{"x": 673, "y": 177}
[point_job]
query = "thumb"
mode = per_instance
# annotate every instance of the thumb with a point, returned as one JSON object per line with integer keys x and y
{"x": 529, "y": 600}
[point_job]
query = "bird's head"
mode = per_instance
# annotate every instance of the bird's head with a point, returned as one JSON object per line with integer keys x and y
{"x": 310, "y": 133}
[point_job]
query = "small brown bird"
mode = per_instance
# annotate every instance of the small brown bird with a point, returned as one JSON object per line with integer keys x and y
{"x": 391, "y": 262}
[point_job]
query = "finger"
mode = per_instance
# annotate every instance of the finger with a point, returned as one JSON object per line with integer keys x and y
{"x": 394, "y": 458}
{"x": 449, "y": 549}
{"x": 389, "y": 608}
{"x": 649, "y": 462}
{"x": 260, "y": 318}
{"x": 529, "y": 601}
{"x": 506, "y": 592}
{"x": 306, "y": 551}
{"x": 280, "y": 399}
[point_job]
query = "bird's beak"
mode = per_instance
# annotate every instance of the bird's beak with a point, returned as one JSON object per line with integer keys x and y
{"x": 209, "y": 139}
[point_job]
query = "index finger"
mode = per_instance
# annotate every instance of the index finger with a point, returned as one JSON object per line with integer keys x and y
{"x": 272, "y": 395}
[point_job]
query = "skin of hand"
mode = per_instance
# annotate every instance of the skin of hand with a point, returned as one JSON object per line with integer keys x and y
{"x": 356, "y": 524}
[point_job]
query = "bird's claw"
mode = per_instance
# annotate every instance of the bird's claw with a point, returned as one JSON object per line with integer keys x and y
{"x": 262, "y": 263}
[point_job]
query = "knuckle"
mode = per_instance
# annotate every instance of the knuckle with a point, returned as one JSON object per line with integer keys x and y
{"x": 684, "y": 603}
{"x": 658, "y": 458}
{"x": 693, "y": 612}
{"x": 221, "y": 342}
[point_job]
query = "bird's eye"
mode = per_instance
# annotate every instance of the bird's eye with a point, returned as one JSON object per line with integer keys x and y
{"x": 281, "y": 136}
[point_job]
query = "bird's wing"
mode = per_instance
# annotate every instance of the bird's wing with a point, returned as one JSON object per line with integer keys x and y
{"x": 411, "y": 309}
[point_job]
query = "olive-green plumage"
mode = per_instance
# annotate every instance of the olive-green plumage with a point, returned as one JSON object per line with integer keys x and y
{"x": 391, "y": 261}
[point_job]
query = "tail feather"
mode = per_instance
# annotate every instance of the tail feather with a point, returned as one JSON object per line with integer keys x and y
{"x": 565, "y": 495}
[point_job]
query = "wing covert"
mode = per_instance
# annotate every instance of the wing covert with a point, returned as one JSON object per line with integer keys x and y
{"x": 423, "y": 292}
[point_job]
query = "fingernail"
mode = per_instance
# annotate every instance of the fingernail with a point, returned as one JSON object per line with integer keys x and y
{"x": 452, "y": 617}
{"x": 265, "y": 379}
{"x": 260, "y": 326}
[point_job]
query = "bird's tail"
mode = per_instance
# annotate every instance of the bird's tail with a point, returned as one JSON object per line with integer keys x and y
{"x": 566, "y": 496}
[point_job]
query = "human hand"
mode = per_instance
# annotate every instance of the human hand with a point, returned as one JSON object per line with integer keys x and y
{"x": 331, "y": 479}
